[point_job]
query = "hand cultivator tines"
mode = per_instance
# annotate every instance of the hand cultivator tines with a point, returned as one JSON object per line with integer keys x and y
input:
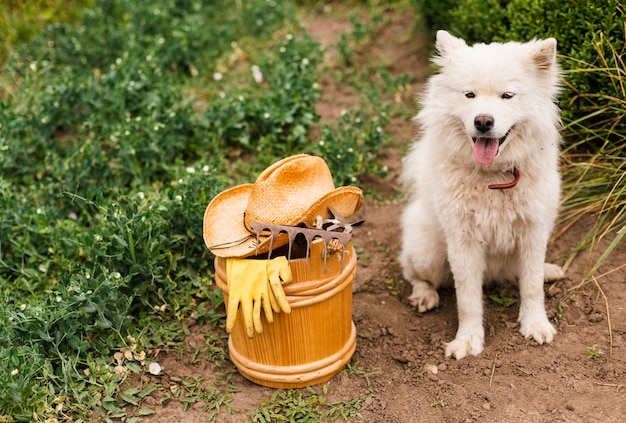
{"x": 328, "y": 229}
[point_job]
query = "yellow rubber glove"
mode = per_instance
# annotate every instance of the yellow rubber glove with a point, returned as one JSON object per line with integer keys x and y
{"x": 279, "y": 274}
{"x": 249, "y": 285}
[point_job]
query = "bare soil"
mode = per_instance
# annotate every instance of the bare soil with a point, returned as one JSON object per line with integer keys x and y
{"x": 579, "y": 377}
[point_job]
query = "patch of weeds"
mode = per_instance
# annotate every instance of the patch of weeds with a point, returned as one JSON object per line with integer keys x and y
{"x": 562, "y": 304}
{"x": 356, "y": 370}
{"x": 274, "y": 119}
{"x": 593, "y": 352}
{"x": 351, "y": 40}
{"x": 213, "y": 351}
{"x": 502, "y": 301}
{"x": 351, "y": 147}
{"x": 306, "y": 406}
{"x": 395, "y": 286}
{"x": 212, "y": 400}
{"x": 362, "y": 255}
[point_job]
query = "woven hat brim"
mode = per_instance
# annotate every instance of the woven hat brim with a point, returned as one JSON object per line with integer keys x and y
{"x": 223, "y": 225}
{"x": 225, "y": 233}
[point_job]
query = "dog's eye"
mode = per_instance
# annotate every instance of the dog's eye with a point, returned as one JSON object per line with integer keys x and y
{"x": 469, "y": 94}
{"x": 508, "y": 95}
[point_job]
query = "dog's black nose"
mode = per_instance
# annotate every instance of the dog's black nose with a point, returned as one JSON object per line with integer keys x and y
{"x": 483, "y": 122}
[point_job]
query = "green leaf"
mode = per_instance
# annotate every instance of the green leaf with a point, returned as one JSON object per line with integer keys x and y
{"x": 145, "y": 411}
{"x": 147, "y": 391}
{"x": 129, "y": 396}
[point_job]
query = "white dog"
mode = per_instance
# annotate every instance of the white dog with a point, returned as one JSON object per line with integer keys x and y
{"x": 484, "y": 182}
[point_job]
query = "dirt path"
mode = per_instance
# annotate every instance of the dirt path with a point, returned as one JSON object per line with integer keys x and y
{"x": 580, "y": 377}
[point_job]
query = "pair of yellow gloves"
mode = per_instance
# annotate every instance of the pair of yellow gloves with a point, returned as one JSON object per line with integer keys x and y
{"x": 256, "y": 284}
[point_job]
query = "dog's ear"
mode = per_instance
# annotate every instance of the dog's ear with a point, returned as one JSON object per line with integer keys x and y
{"x": 447, "y": 43}
{"x": 544, "y": 54}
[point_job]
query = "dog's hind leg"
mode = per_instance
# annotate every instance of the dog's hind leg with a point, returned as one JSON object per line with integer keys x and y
{"x": 423, "y": 258}
{"x": 552, "y": 272}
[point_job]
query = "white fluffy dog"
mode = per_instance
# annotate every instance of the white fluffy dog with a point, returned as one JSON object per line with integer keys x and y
{"x": 484, "y": 183}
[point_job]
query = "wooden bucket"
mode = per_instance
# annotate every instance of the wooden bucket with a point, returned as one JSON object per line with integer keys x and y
{"x": 312, "y": 343}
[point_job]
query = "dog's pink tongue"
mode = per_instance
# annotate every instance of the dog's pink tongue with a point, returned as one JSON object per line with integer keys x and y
{"x": 485, "y": 150}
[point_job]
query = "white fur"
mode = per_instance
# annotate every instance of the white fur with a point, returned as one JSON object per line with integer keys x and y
{"x": 454, "y": 227}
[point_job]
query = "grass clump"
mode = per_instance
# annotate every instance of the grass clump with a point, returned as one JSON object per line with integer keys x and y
{"x": 306, "y": 406}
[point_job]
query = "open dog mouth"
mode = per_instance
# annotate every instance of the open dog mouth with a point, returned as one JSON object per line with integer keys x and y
{"x": 486, "y": 148}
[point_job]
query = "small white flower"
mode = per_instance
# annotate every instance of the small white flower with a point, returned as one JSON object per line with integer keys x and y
{"x": 141, "y": 195}
{"x": 39, "y": 211}
{"x": 116, "y": 275}
{"x": 289, "y": 37}
{"x": 14, "y": 372}
{"x": 33, "y": 67}
{"x": 218, "y": 76}
{"x": 205, "y": 168}
{"x": 98, "y": 237}
{"x": 23, "y": 307}
{"x": 179, "y": 198}
{"x": 58, "y": 299}
{"x": 154, "y": 369}
{"x": 266, "y": 115}
{"x": 305, "y": 61}
{"x": 190, "y": 170}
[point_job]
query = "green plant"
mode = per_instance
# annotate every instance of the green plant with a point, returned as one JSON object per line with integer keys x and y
{"x": 212, "y": 399}
{"x": 356, "y": 370}
{"x": 593, "y": 352}
{"x": 306, "y": 406}
{"x": 501, "y": 299}
{"x": 595, "y": 176}
{"x": 350, "y": 147}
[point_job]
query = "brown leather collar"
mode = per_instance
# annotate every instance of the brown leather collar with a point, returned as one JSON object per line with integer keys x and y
{"x": 508, "y": 184}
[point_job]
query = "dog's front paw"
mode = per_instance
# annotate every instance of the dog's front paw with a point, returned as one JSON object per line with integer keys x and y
{"x": 424, "y": 296}
{"x": 540, "y": 329}
{"x": 464, "y": 345}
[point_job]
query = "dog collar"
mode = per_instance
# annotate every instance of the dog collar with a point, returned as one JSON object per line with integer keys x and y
{"x": 508, "y": 184}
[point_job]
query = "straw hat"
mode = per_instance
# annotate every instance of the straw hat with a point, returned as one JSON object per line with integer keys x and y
{"x": 293, "y": 190}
